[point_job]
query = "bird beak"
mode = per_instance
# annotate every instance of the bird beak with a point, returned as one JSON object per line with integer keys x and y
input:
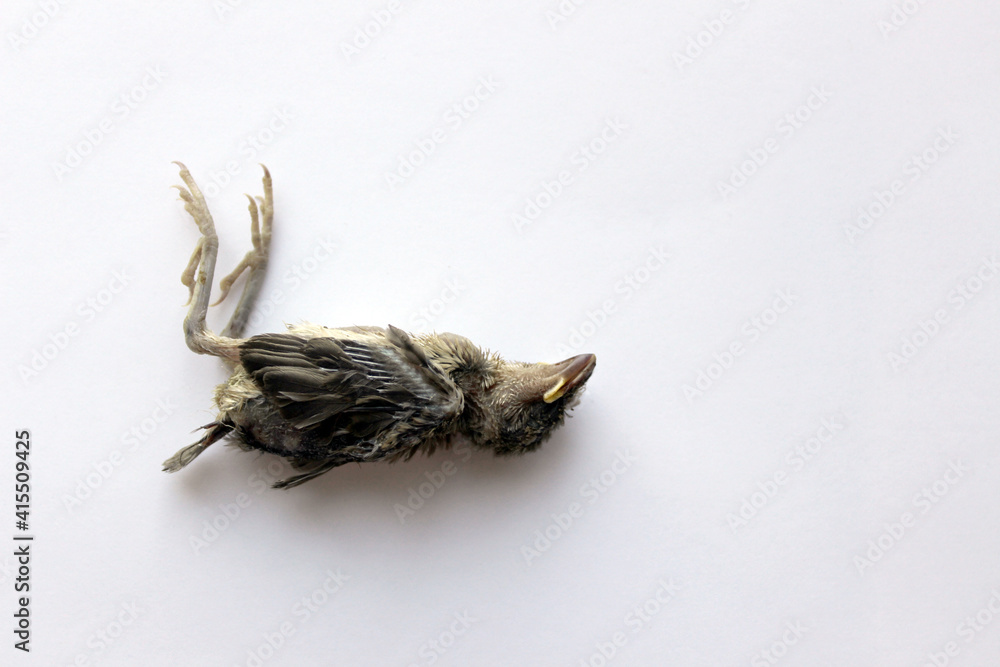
{"x": 568, "y": 375}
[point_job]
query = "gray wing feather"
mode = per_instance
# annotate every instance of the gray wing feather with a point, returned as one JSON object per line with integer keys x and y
{"x": 379, "y": 391}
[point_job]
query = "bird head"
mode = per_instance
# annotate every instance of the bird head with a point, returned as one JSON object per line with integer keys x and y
{"x": 511, "y": 407}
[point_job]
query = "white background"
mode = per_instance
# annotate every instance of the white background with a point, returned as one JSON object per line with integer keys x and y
{"x": 732, "y": 542}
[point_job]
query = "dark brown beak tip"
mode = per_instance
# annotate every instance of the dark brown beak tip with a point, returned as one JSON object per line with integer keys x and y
{"x": 580, "y": 367}
{"x": 570, "y": 374}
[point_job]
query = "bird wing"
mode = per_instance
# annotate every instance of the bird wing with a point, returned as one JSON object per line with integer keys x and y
{"x": 378, "y": 389}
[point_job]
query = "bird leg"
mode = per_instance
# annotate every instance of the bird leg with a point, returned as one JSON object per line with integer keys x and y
{"x": 255, "y": 260}
{"x": 202, "y": 263}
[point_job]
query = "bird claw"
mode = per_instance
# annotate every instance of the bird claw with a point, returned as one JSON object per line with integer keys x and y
{"x": 260, "y": 238}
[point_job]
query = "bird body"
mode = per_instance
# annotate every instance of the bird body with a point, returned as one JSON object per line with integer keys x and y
{"x": 322, "y": 397}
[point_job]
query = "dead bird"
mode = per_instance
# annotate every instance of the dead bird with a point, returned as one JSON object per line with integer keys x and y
{"x": 323, "y": 397}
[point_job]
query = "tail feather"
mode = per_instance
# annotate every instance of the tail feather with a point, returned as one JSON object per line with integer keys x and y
{"x": 214, "y": 432}
{"x": 296, "y": 480}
